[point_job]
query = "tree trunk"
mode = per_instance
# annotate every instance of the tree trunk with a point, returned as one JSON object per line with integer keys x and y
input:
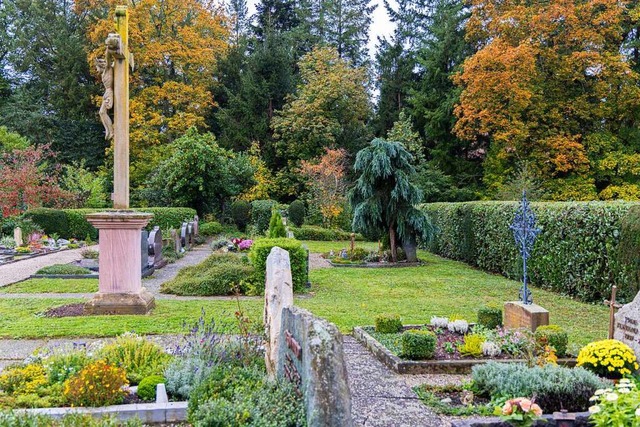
{"x": 392, "y": 242}
{"x": 410, "y": 249}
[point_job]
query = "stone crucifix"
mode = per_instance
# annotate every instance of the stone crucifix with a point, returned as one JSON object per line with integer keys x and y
{"x": 114, "y": 69}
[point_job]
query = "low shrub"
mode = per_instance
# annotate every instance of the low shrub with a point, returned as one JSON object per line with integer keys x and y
{"x": 23, "y": 419}
{"x": 147, "y": 387}
{"x": 312, "y": 232}
{"x": 71, "y": 270}
{"x": 472, "y": 345}
{"x": 554, "y": 336}
{"x": 185, "y": 373}
{"x": 87, "y": 253}
{"x": 297, "y": 212}
{"x": 98, "y": 384}
{"x": 60, "y": 367}
{"x": 276, "y": 226}
{"x": 608, "y": 358}
{"x": 490, "y": 317}
{"x": 388, "y": 323}
{"x": 554, "y": 387}
{"x": 210, "y": 228}
{"x": 169, "y": 254}
{"x": 261, "y": 214}
{"x": 137, "y": 356}
{"x": 23, "y": 379}
{"x": 297, "y": 255}
{"x": 241, "y": 214}
{"x": 418, "y": 344}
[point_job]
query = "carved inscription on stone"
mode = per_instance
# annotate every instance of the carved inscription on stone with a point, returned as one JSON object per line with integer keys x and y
{"x": 629, "y": 328}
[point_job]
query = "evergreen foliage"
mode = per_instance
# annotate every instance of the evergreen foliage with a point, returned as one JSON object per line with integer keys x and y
{"x": 297, "y": 212}
{"x": 276, "y": 226}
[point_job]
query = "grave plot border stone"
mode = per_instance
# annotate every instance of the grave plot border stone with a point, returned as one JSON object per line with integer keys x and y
{"x": 581, "y": 420}
{"x": 417, "y": 367}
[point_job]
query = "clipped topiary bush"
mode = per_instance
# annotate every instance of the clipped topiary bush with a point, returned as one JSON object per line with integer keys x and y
{"x": 490, "y": 317}
{"x": 241, "y": 214}
{"x": 418, "y": 344}
{"x": 577, "y": 252}
{"x": 71, "y": 270}
{"x": 554, "y": 336}
{"x": 297, "y": 255}
{"x": 276, "y": 226}
{"x": 210, "y": 228}
{"x": 388, "y": 323}
{"x": 297, "y": 212}
{"x": 147, "y": 387}
{"x": 312, "y": 232}
{"x": 261, "y": 214}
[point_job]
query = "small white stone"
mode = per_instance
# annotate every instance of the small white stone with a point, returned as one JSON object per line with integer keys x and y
{"x": 161, "y": 394}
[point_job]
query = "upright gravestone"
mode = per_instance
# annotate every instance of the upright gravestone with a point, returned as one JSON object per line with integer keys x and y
{"x": 278, "y": 294}
{"x": 196, "y": 225}
{"x": 17, "y": 236}
{"x": 176, "y": 241}
{"x": 147, "y": 268}
{"x": 155, "y": 248}
{"x": 184, "y": 236}
{"x": 190, "y": 232}
{"x": 311, "y": 355}
{"x": 627, "y": 325}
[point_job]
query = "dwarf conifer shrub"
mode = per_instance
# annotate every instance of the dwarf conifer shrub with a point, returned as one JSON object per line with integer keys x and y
{"x": 472, "y": 345}
{"x": 554, "y": 336}
{"x": 490, "y": 317}
{"x": 276, "y": 226}
{"x": 388, "y": 323}
{"x": 418, "y": 344}
{"x": 297, "y": 213}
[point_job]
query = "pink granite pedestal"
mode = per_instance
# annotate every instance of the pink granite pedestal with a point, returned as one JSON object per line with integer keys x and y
{"x": 120, "y": 289}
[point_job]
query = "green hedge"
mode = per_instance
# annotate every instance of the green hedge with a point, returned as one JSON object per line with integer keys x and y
{"x": 72, "y": 223}
{"x": 575, "y": 254}
{"x": 297, "y": 256}
{"x": 312, "y": 232}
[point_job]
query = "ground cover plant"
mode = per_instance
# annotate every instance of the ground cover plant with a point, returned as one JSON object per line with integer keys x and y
{"x": 57, "y": 286}
{"x": 65, "y": 269}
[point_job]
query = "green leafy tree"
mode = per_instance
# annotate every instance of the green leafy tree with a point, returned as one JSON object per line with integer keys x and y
{"x": 276, "y": 226}
{"x": 88, "y": 188}
{"x": 384, "y": 199}
{"x": 200, "y": 174}
{"x": 10, "y": 141}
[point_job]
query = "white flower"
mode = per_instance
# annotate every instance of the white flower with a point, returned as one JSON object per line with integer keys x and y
{"x": 611, "y": 397}
{"x": 624, "y": 390}
{"x": 638, "y": 412}
{"x": 625, "y": 381}
{"x": 593, "y": 398}
{"x": 600, "y": 391}
{"x": 594, "y": 409}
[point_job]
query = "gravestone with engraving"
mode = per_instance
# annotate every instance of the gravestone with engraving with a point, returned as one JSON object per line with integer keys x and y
{"x": 147, "y": 268}
{"x": 627, "y": 325}
{"x": 311, "y": 355}
{"x": 176, "y": 241}
{"x": 184, "y": 236}
{"x": 155, "y": 248}
{"x": 190, "y": 232}
{"x": 196, "y": 225}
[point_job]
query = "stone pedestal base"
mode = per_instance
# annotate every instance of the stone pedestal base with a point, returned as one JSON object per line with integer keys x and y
{"x": 519, "y": 315}
{"x": 112, "y": 303}
{"x": 120, "y": 282}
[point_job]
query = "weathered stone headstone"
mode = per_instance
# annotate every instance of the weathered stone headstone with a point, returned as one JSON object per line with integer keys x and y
{"x": 176, "y": 241}
{"x": 184, "y": 236}
{"x": 278, "y": 294}
{"x": 196, "y": 225}
{"x": 17, "y": 236}
{"x": 627, "y": 325}
{"x": 155, "y": 248}
{"x": 311, "y": 356}
{"x": 190, "y": 232}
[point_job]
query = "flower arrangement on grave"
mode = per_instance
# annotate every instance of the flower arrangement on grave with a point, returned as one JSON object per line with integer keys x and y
{"x": 521, "y": 412}
{"x": 245, "y": 245}
{"x": 616, "y": 406}
{"x": 608, "y": 358}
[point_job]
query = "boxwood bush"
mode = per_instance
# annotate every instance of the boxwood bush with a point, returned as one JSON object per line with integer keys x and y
{"x": 418, "y": 344}
{"x": 297, "y": 255}
{"x": 554, "y": 336}
{"x": 577, "y": 252}
{"x": 490, "y": 317}
{"x": 388, "y": 323}
{"x": 72, "y": 223}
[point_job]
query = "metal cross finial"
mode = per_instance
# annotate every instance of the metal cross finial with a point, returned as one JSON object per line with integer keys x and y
{"x": 525, "y": 232}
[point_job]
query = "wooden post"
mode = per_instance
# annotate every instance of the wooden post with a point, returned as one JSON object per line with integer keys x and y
{"x": 121, "y": 113}
{"x": 353, "y": 241}
{"x": 613, "y": 306}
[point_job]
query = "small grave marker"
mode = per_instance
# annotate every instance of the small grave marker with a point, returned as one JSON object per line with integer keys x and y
{"x": 155, "y": 248}
{"x": 17, "y": 236}
{"x": 613, "y": 306}
{"x": 184, "y": 236}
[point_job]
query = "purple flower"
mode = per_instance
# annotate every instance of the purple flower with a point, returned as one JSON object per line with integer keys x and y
{"x": 245, "y": 245}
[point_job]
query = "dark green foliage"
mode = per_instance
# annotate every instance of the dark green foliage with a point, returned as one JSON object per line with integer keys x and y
{"x": 51, "y": 220}
{"x": 210, "y": 228}
{"x": 276, "y": 226}
{"x": 418, "y": 344}
{"x": 388, "y": 323}
{"x": 554, "y": 387}
{"x": 297, "y": 212}
{"x": 71, "y": 270}
{"x": 628, "y": 251}
{"x": 490, "y": 317}
{"x": 241, "y": 214}
{"x": 576, "y": 253}
{"x": 220, "y": 274}
{"x": 297, "y": 255}
{"x": 384, "y": 199}
{"x": 311, "y": 232}
{"x": 554, "y": 336}
{"x": 261, "y": 214}
{"x": 147, "y": 387}
{"x": 244, "y": 396}
{"x": 75, "y": 224}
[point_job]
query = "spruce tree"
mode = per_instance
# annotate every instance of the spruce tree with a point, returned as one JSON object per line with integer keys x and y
{"x": 276, "y": 226}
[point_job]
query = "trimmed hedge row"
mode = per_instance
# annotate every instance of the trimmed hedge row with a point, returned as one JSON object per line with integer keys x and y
{"x": 577, "y": 252}
{"x": 297, "y": 256}
{"x": 72, "y": 223}
{"x": 311, "y": 232}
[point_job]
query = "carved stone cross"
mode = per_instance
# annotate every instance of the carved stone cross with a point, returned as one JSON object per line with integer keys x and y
{"x": 613, "y": 306}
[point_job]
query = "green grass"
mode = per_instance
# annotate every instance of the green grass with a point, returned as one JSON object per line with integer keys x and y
{"x": 347, "y": 297}
{"x": 321, "y": 247}
{"x": 57, "y": 286}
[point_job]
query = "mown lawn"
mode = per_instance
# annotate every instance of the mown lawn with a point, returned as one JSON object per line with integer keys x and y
{"x": 346, "y": 296}
{"x": 56, "y": 286}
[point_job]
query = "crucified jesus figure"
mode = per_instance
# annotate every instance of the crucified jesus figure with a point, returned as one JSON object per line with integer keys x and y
{"x": 105, "y": 68}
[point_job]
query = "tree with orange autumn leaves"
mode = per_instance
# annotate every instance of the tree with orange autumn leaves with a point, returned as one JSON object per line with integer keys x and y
{"x": 549, "y": 86}
{"x": 176, "y": 45}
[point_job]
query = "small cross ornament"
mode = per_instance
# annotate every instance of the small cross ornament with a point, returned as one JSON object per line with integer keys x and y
{"x": 613, "y": 306}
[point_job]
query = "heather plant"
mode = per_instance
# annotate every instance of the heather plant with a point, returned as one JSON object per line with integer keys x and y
{"x": 98, "y": 384}
{"x": 458, "y": 326}
{"x": 472, "y": 345}
{"x": 439, "y": 322}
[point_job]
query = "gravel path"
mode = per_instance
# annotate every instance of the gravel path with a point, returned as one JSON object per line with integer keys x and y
{"x": 195, "y": 256}
{"x": 20, "y": 270}
{"x": 316, "y": 261}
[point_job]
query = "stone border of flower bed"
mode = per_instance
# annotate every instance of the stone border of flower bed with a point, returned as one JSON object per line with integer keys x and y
{"x": 30, "y": 256}
{"x": 402, "y": 366}
{"x": 63, "y": 276}
{"x": 581, "y": 420}
{"x": 379, "y": 264}
{"x": 171, "y": 412}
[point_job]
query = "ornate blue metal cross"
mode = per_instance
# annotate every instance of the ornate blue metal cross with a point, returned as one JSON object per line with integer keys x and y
{"x": 525, "y": 232}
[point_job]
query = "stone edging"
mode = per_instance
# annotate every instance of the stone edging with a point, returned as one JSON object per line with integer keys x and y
{"x": 378, "y": 265}
{"x": 402, "y": 366}
{"x": 582, "y": 420}
{"x": 171, "y": 412}
{"x": 61, "y": 276}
